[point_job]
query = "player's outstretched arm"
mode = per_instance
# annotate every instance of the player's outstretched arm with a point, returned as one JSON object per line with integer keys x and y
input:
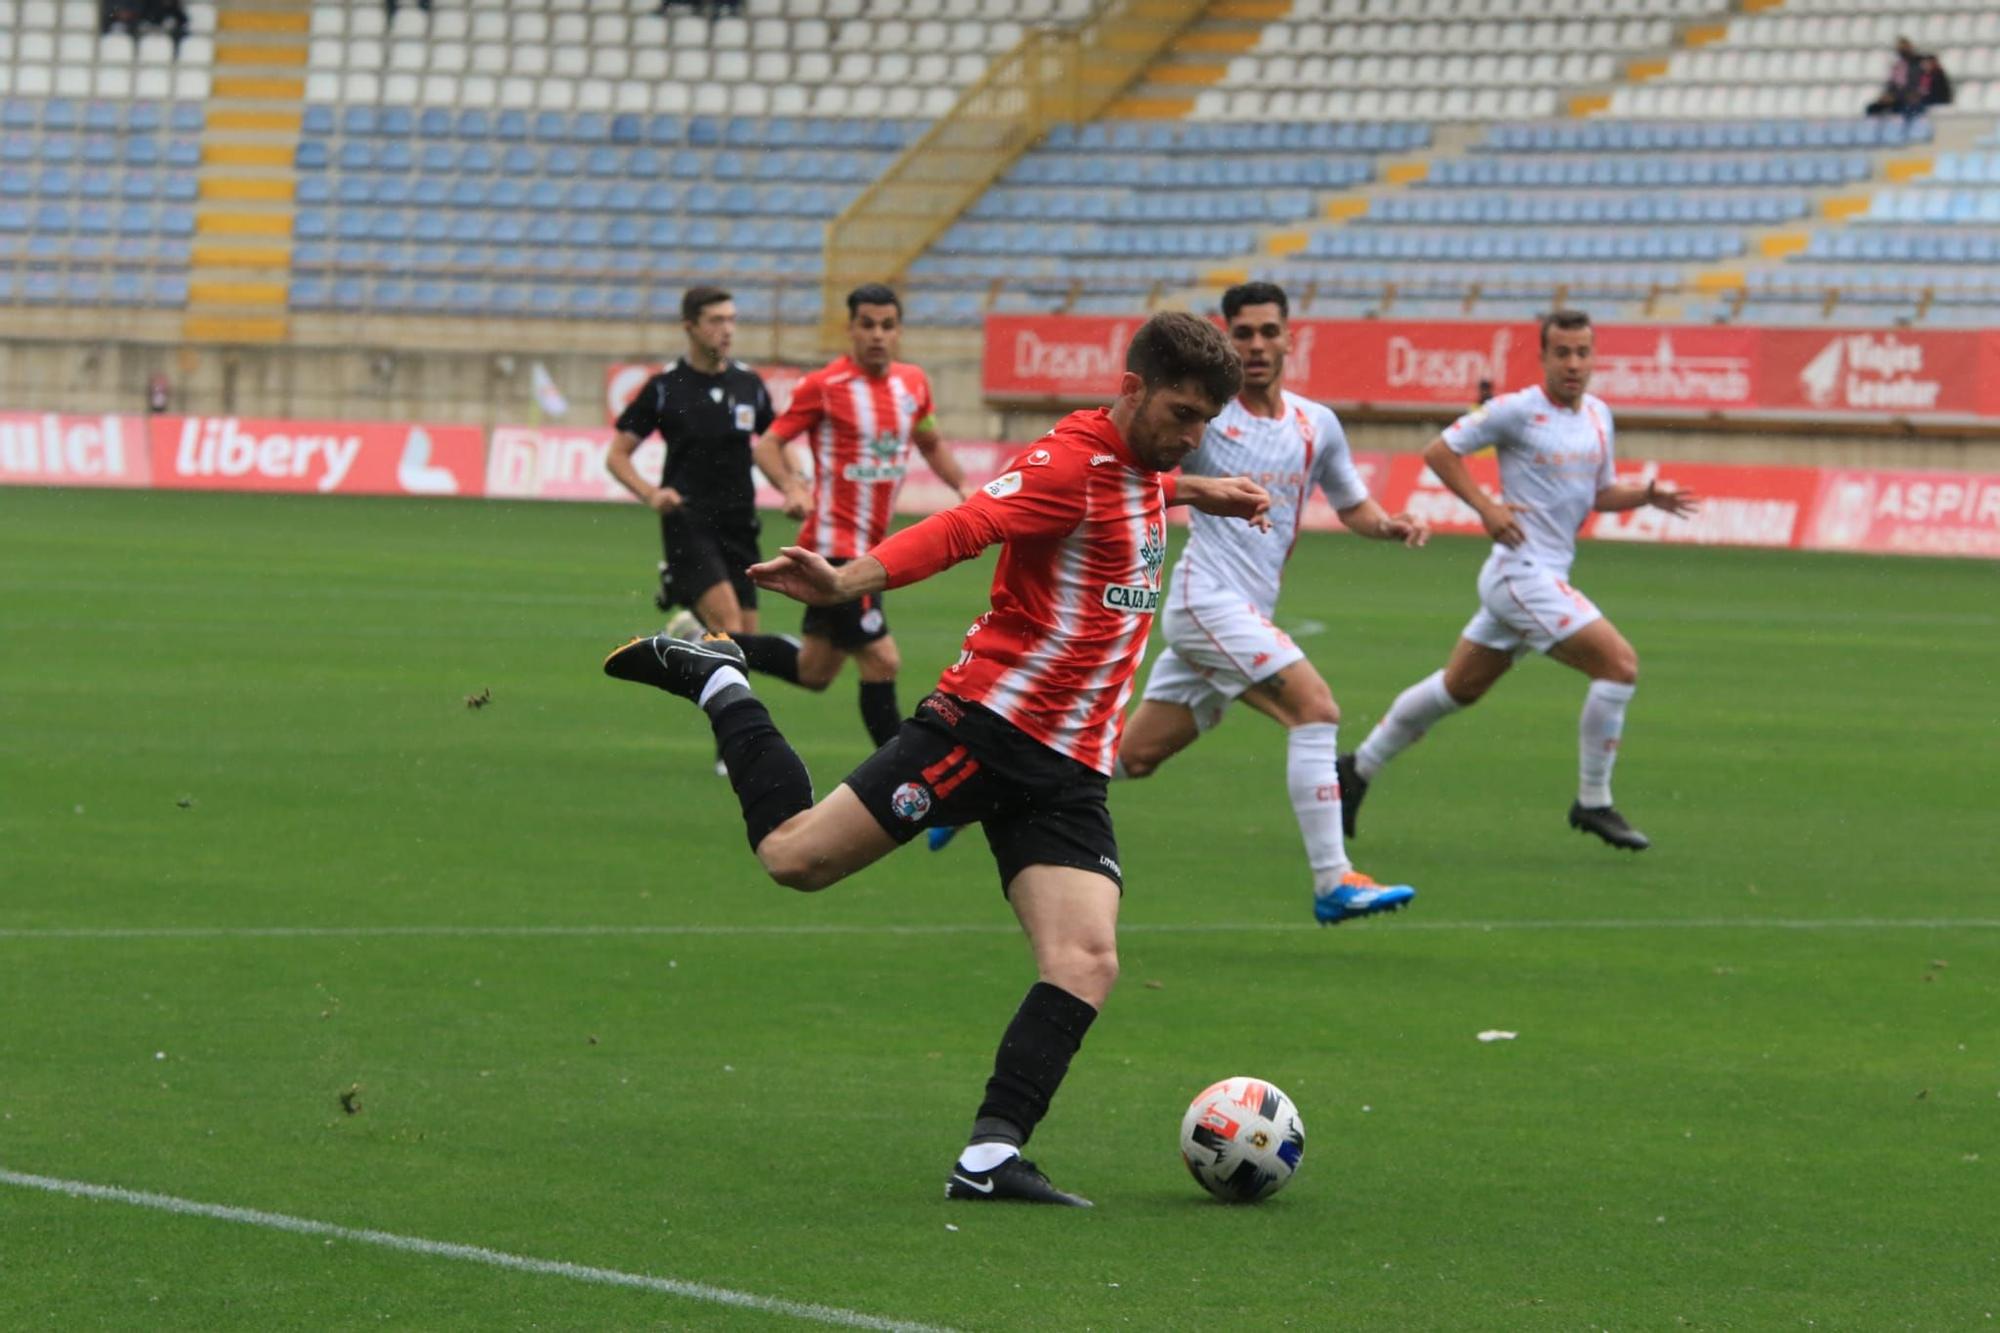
{"x": 1501, "y": 519}
{"x": 1225, "y": 497}
{"x": 1369, "y": 519}
{"x": 807, "y": 576}
{"x": 1676, "y": 500}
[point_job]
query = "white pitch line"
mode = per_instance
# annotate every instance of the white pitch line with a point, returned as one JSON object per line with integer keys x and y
{"x": 966, "y": 928}
{"x": 610, "y": 1277}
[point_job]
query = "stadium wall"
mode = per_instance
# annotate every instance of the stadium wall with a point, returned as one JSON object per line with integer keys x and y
{"x": 1837, "y": 509}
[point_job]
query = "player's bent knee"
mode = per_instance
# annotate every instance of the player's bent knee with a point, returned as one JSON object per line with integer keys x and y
{"x": 793, "y": 866}
{"x": 1087, "y": 973}
{"x": 1139, "y": 763}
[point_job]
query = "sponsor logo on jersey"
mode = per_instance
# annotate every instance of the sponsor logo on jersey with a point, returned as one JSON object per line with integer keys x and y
{"x": 1131, "y": 597}
{"x": 1099, "y": 460}
{"x": 746, "y": 417}
{"x": 1003, "y": 485}
{"x": 1111, "y": 865}
{"x": 910, "y": 802}
{"x": 874, "y": 471}
{"x": 1153, "y": 551}
{"x": 1036, "y": 458}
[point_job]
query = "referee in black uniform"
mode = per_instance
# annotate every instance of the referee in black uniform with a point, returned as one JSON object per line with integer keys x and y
{"x": 708, "y": 409}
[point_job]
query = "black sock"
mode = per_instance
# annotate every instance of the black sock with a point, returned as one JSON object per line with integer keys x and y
{"x": 771, "y": 654}
{"x": 771, "y": 781}
{"x": 879, "y": 712}
{"x": 1033, "y": 1057}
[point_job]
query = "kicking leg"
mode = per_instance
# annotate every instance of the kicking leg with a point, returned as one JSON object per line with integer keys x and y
{"x": 800, "y": 845}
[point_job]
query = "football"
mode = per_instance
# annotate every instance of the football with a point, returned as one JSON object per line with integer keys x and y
{"x": 1242, "y": 1139}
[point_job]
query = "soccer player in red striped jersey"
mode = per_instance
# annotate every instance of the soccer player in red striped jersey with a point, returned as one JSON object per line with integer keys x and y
{"x": 1022, "y": 731}
{"x": 863, "y": 414}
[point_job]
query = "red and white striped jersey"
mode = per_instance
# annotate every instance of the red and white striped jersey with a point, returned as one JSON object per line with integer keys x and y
{"x": 1075, "y": 591}
{"x": 860, "y": 427}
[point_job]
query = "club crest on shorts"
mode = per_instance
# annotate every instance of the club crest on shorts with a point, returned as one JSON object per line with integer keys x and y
{"x": 910, "y": 802}
{"x": 871, "y": 621}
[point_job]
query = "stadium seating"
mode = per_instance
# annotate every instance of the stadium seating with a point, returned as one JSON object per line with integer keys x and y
{"x": 554, "y": 156}
{"x": 805, "y": 58}
{"x": 510, "y": 211}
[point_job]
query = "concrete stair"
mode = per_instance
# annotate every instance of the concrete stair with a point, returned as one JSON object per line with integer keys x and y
{"x": 1198, "y": 59}
{"x": 241, "y": 273}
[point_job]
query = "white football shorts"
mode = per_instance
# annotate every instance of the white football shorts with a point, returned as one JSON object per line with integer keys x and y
{"x": 1526, "y": 607}
{"x": 1217, "y": 648}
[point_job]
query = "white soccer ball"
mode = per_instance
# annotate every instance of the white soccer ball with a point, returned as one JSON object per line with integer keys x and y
{"x": 1242, "y": 1139}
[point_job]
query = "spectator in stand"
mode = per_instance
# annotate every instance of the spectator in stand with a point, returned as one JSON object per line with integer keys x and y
{"x": 1916, "y": 82}
{"x": 393, "y": 5}
{"x": 170, "y": 17}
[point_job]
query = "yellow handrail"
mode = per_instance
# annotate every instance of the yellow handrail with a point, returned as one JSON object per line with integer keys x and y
{"x": 1052, "y": 76}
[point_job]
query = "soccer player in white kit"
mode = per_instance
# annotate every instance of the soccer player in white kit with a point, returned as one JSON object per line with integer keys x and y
{"x": 1554, "y": 442}
{"x": 1216, "y": 610}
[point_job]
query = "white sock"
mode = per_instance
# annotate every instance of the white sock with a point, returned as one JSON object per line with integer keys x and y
{"x": 979, "y": 1158}
{"x": 1597, "y": 732}
{"x": 1310, "y": 752}
{"x": 1415, "y": 711}
{"x": 723, "y": 678}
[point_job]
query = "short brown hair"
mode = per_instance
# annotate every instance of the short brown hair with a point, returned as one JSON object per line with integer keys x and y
{"x": 699, "y": 299}
{"x": 1567, "y": 320}
{"x": 1175, "y": 347}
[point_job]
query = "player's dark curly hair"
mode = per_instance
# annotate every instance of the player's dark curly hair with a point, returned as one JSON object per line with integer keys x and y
{"x": 872, "y": 293}
{"x": 699, "y": 299}
{"x": 1175, "y": 347}
{"x": 1567, "y": 320}
{"x": 1255, "y": 293}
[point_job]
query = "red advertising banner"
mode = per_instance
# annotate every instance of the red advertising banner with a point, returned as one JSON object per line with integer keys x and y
{"x": 1433, "y": 364}
{"x": 317, "y": 457}
{"x": 51, "y": 449}
{"x": 1697, "y": 369}
{"x": 1896, "y": 373}
{"x": 1832, "y": 509}
{"x": 623, "y": 380}
{"x": 1907, "y": 513}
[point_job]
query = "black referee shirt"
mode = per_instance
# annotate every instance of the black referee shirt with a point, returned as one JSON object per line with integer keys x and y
{"x": 708, "y": 422}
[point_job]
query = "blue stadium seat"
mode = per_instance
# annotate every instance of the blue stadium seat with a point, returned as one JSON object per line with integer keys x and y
{"x": 187, "y": 118}
{"x": 357, "y": 119}
{"x": 477, "y": 159}
{"x": 396, "y": 122}
{"x": 511, "y": 126}
{"x": 474, "y": 123}
{"x": 310, "y": 156}
{"x": 627, "y": 129}
{"x": 590, "y": 127}
{"x": 665, "y": 130}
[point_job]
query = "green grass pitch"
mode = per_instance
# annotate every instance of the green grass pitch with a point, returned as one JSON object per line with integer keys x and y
{"x": 1756, "y": 1084}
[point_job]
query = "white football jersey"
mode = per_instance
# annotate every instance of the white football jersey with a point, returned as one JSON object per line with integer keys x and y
{"x": 1554, "y": 460}
{"x": 1287, "y": 455}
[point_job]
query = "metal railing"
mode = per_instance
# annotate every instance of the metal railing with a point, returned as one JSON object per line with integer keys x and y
{"x": 1052, "y": 76}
